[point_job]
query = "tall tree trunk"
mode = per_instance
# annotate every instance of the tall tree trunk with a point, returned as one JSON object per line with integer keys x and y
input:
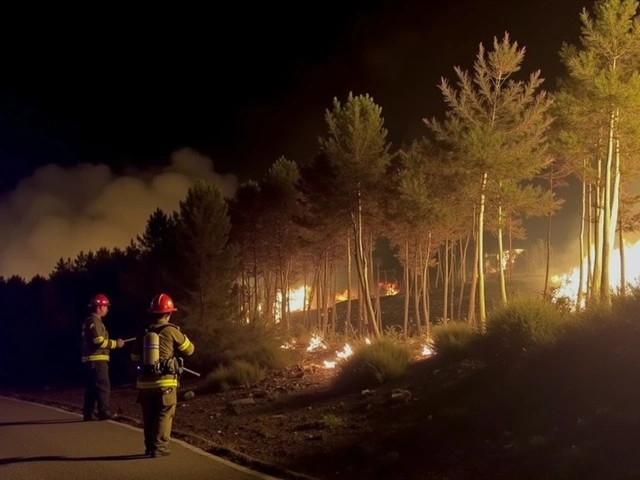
{"x": 511, "y": 256}
{"x": 416, "y": 291}
{"x": 463, "y": 273}
{"x": 607, "y": 246}
{"x": 481, "y": 292}
{"x": 548, "y": 243}
{"x": 362, "y": 267}
{"x": 471, "y": 312}
{"x": 256, "y": 288}
{"x": 452, "y": 270}
{"x": 445, "y": 282}
{"x": 623, "y": 276}
{"x": 615, "y": 201}
{"x": 347, "y": 322}
{"x": 503, "y": 285}
{"x": 378, "y": 307}
{"x": 438, "y": 269}
{"x": 407, "y": 288}
{"x": 332, "y": 297}
{"x": 579, "y": 300}
{"x": 597, "y": 232}
{"x": 590, "y": 240}
{"x": 425, "y": 290}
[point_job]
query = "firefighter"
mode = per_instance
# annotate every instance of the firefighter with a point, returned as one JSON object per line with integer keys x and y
{"x": 96, "y": 345}
{"x": 158, "y": 353}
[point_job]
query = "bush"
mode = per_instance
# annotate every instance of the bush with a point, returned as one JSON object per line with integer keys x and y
{"x": 255, "y": 343}
{"x": 374, "y": 364}
{"x": 526, "y": 323}
{"x": 272, "y": 356}
{"x": 238, "y": 373}
{"x": 453, "y": 338}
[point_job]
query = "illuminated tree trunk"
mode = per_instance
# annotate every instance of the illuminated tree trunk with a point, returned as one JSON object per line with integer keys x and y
{"x": 607, "y": 231}
{"x": 416, "y": 292}
{"x": 480, "y": 265}
{"x": 548, "y": 245}
{"x": 471, "y": 312}
{"x": 452, "y": 271}
{"x": 363, "y": 270}
{"x": 503, "y": 287}
{"x": 347, "y": 325}
{"x": 583, "y": 213}
{"x": 445, "y": 282}
{"x": 615, "y": 203}
{"x": 407, "y": 288}
{"x": 511, "y": 256}
{"x": 623, "y": 280}
{"x": 590, "y": 241}
{"x": 425, "y": 288}
{"x": 463, "y": 273}
{"x": 597, "y": 241}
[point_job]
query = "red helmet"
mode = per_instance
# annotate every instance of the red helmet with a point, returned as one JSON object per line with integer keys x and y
{"x": 99, "y": 300}
{"x": 162, "y": 304}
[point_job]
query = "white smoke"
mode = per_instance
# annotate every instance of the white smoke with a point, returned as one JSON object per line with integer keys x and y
{"x": 58, "y": 212}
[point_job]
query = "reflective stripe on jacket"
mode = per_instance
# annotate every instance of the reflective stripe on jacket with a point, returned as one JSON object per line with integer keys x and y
{"x": 95, "y": 340}
{"x": 172, "y": 342}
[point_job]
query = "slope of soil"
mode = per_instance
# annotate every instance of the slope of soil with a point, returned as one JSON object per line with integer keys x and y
{"x": 568, "y": 413}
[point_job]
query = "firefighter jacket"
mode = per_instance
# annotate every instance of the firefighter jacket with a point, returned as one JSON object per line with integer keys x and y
{"x": 172, "y": 343}
{"x": 95, "y": 340}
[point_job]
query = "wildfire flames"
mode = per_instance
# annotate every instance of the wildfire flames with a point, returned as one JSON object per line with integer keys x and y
{"x": 385, "y": 289}
{"x": 300, "y": 295}
{"x": 568, "y": 284}
{"x": 316, "y": 344}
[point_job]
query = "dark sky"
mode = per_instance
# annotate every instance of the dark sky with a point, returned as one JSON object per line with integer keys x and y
{"x": 241, "y": 84}
{"x": 244, "y": 85}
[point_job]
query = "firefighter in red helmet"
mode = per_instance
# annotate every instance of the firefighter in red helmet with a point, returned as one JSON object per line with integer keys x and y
{"x": 158, "y": 353}
{"x": 96, "y": 345}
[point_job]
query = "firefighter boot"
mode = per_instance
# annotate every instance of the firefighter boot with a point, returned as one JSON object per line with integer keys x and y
{"x": 160, "y": 452}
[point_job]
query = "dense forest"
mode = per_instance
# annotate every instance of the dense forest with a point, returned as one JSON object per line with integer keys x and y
{"x": 238, "y": 269}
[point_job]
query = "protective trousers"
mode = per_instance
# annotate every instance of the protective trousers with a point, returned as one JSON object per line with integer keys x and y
{"x": 97, "y": 388}
{"x": 158, "y": 410}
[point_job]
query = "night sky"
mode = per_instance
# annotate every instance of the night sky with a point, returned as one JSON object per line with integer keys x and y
{"x": 242, "y": 84}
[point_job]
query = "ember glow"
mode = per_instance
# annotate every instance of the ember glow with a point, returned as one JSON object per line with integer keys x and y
{"x": 427, "y": 351}
{"x": 389, "y": 288}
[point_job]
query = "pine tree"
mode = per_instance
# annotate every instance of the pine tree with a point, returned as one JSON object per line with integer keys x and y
{"x": 497, "y": 126}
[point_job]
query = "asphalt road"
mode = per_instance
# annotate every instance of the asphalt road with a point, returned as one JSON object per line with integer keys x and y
{"x": 44, "y": 443}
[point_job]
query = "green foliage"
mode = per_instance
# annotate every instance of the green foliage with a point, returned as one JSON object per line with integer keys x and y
{"x": 356, "y": 144}
{"x": 208, "y": 264}
{"x": 253, "y": 342}
{"x": 453, "y": 338}
{"x": 526, "y": 323}
{"x": 370, "y": 365}
{"x": 495, "y": 123}
{"x": 331, "y": 421}
{"x": 272, "y": 357}
{"x": 240, "y": 373}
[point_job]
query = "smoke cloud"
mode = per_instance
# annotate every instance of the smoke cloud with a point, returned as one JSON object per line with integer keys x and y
{"x": 58, "y": 212}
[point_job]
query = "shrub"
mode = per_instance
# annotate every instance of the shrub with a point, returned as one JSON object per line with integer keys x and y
{"x": 526, "y": 323}
{"x": 256, "y": 343}
{"x": 277, "y": 358}
{"x": 453, "y": 338}
{"x": 238, "y": 373}
{"x": 374, "y": 364}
